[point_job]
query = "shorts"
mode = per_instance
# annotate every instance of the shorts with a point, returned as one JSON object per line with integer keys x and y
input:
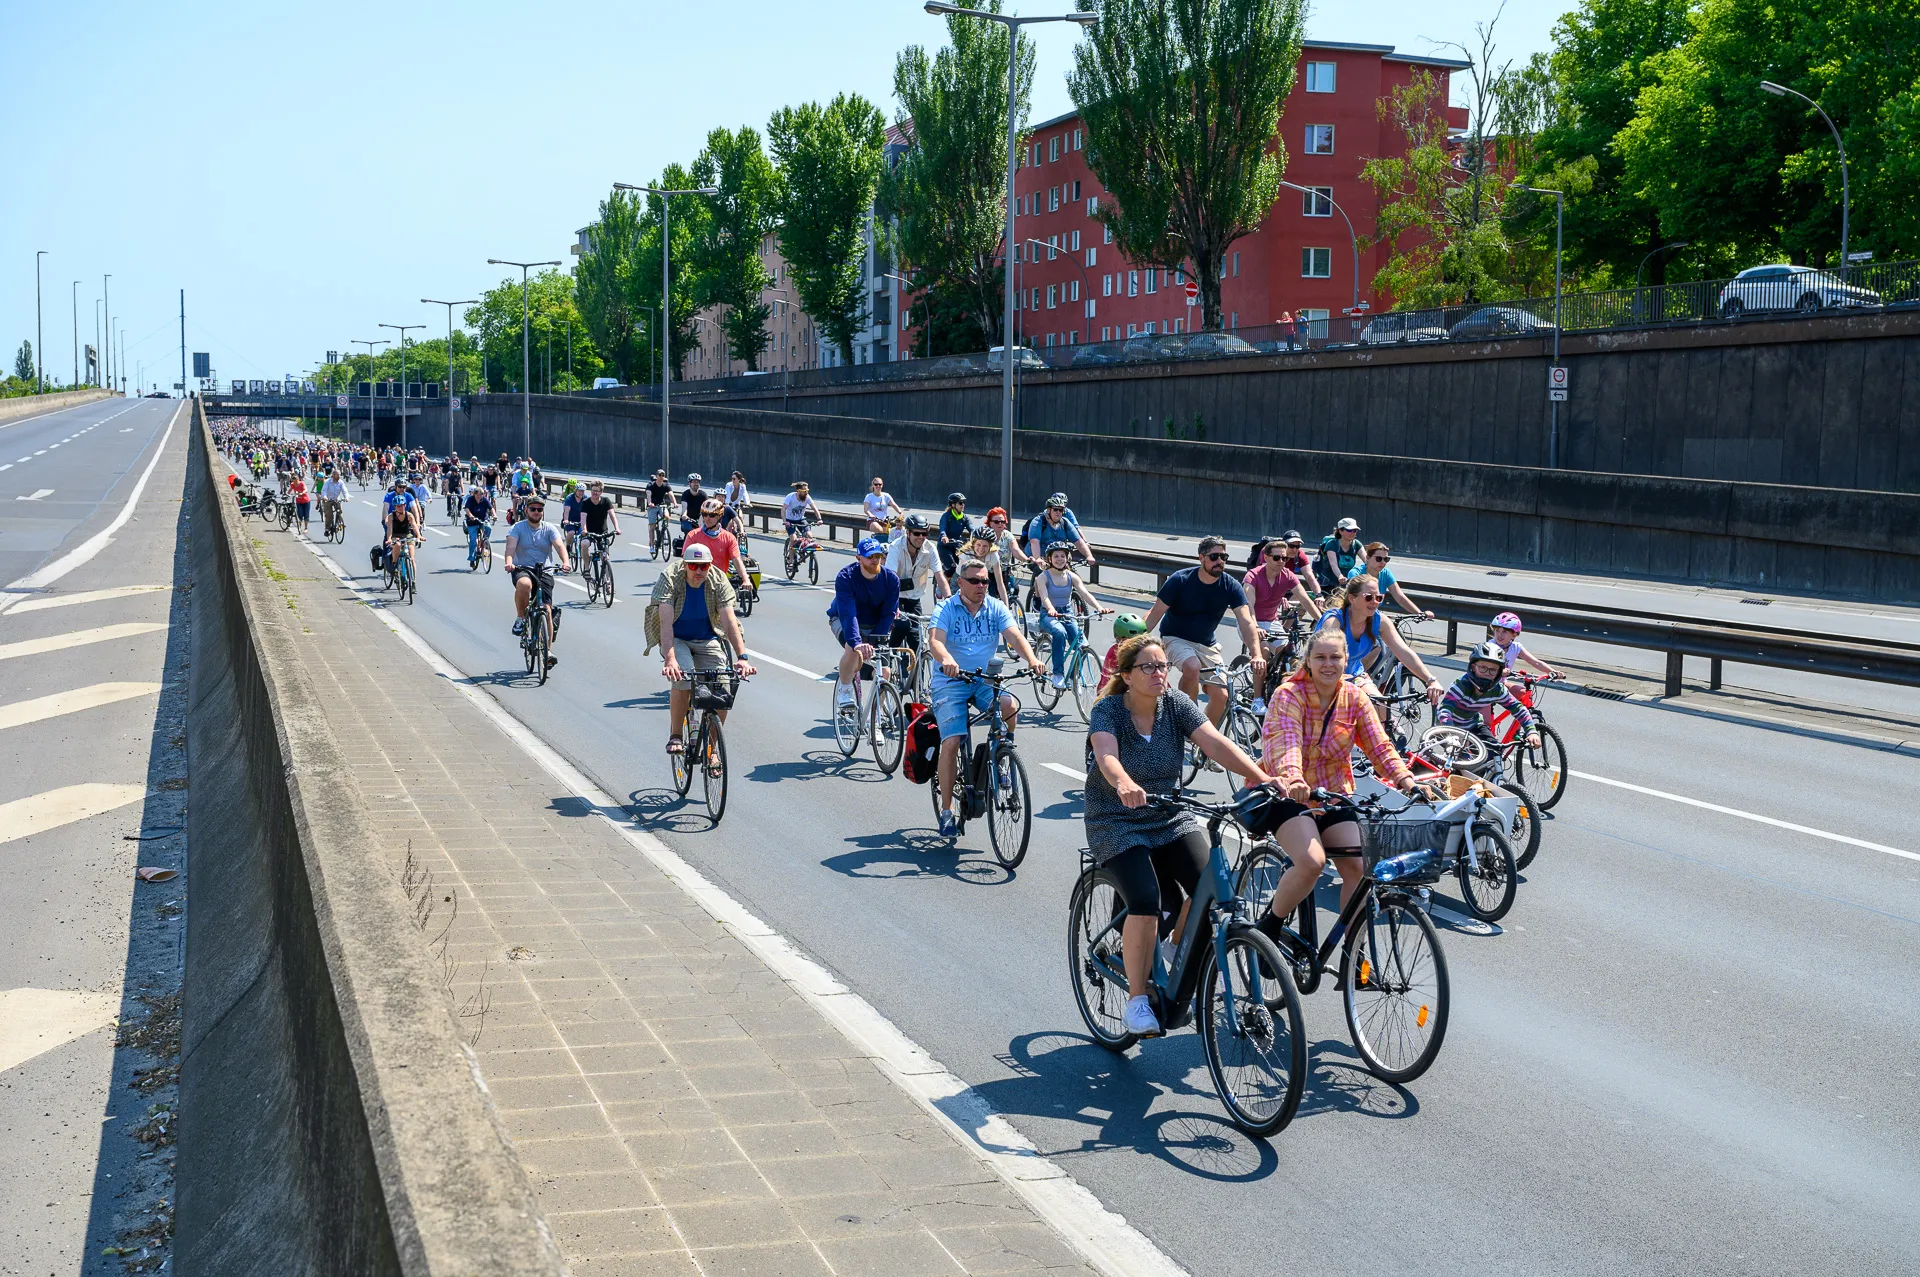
{"x": 1151, "y": 879}
{"x": 951, "y": 697}
{"x": 833, "y": 625}
{"x": 696, "y": 654}
{"x": 541, "y": 576}
{"x": 1326, "y": 819}
{"x": 794, "y": 527}
{"x": 1180, "y": 650}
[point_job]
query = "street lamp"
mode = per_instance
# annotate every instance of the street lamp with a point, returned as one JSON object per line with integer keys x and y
{"x": 76, "y": 334}
{"x": 1013, "y": 25}
{"x": 666, "y": 307}
{"x": 526, "y": 366}
{"x": 1781, "y": 91}
{"x": 1559, "y": 225}
{"x": 1641, "y": 268}
{"x": 39, "y": 331}
{"x": 403, "y": 329}
{"x": 106, "y": 306}
{"x": 428, "y": 301}
{"x": 1350, "y": 235}
{"x": 362, "y": 341}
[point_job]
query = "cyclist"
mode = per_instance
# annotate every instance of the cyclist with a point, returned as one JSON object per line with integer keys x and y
{"x": 1189, "y": 609}
{"x": 333, "y": 497}
{"x": 964, "y": 635}
{"x": 302, "y": 501}
{"x": 723, "y": 545}
{"x": 1338, "y": 553}
{"x": 735, "y": 493}
{"x": 597, "y": 514}
{"x": 403, "y": 527}
{"x": 1316, "y": 720}
{"x": 1358, "y": 620}
{"x": 479, "y": 513}
{"x": 1138, "y": 732}
{"x": 797, "y": 510}
{"x": 1378, "y": 555}
{"x": 1505, "y": 630}
{"x": 1469, "y": 704}
{"x": 690, "y": 502}
{"x": 866, "y": 598}
{"x": 1271, "y": 584}
{"x": 998, "y": 569}
{"x": 691, "y": 608}
{"x": 1055, "y": 523}
{"x": 956, "y": 530}
{"x": 571, "y": 496}
{"x": 417, "y": 484}
{"x": 1298, "y": 563}
{"x": 398, "y": 498}
{"x": 1125, "y": 626}
{"x": 659, "y": 499}
{"x": 917, "y": 564}
{"x": 1055, "y": 589}
{"x": 532, "y": 546}
{"x": 450, "y": 487}
{"x": 881, "y": 509}
{"x": 1012, "y": 553}
{"x": 522, "y": 493}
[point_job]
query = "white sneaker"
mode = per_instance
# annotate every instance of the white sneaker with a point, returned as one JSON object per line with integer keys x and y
{"x": 1141, "y": 1021}
{"x": 1058, "y": 680}
{"x": 843, "y": 695}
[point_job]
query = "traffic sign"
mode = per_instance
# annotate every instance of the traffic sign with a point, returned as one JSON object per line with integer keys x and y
{"x": 1557, "y": 383}
{"x": 339, "y": 401}
{"x": 456, "y": 403}
{"x": 1193, "y": 292}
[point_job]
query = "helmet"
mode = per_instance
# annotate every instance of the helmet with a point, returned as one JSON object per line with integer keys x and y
{"x": 915, "y": 523}
{"x": 1058, "y": 501}
{"x": 712, "y": 505}
{"x": 1126, "y": 625}
{"x": 956, "y": 498}
{"x": 1488, "y": 651}
{"x": 571, "y": 485}
{"x": 1506, "y": 621}
{"x": 693, "y": 478}
{"x": 525, "y": 489}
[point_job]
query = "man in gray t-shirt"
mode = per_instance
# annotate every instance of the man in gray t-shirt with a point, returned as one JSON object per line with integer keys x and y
{"x": 533, "y": 544}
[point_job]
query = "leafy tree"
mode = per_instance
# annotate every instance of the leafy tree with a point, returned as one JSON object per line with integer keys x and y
{"x": 727, "y": 270}
{"x": 945, "y": 197}
{"x": 606, "y": 290}
{"x": 1182, "y": 100}
{"x": 686, "y": 222}
{"x": 550, "y": 306}
{"x": 830, "y": 165}
{"x": 23, "y": 361}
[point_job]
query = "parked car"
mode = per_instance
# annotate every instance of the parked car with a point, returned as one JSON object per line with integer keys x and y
{"x": 1095, "y": 356}
{"x": 1024, "y": 357}
{"x": 1786, "y": 287}
{"x": 1148, "y": 347}
{"x": 1279, "y": 346}
{"x": 606, "y": 383}
{"x": 1216, "y": 345}
{"x": 1499, "y": 321}
{"x": 954, "y": 366}
{"x": 1402, "y": 327}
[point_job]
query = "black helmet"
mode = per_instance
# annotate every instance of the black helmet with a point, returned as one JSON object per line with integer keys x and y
{"x": 956, "y": 498}
{"x": 1057, "y": 501}
{"x": 915, "y": 523}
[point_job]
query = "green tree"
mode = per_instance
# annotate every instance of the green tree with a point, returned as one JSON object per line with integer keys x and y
{"x": 727, "y": 270}
{"x": 686, "y": 222}
{"x": 1182, "y": 101}
{"x": 945, "y": 197}
{"x": 830, "y": 165}
{"x": 550, "y": 307}
{"x": 606, "y": 290}
{"x": 23, "y": 361}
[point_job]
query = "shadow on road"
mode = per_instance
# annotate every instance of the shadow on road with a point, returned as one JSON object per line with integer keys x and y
{"x": 818, "y": 764}
{"x": 916, "y": 853}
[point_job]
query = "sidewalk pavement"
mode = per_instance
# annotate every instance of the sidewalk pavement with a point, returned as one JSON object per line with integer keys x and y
{"x": 680, "y": 1108}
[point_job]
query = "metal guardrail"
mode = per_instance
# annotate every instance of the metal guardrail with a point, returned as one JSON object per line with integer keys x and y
{"x": 1719, "y": 642}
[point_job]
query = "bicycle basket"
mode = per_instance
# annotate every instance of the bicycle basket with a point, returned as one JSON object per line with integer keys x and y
{"x": 711, "y": 696}
{"x": 1387, "y": 839}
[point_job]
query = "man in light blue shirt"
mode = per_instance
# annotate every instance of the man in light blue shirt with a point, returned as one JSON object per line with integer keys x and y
{"x": 964, "y": 635}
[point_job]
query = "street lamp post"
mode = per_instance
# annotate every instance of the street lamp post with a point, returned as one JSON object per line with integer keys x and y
{"x": 1639, "y": 298}
{"x": 666, "y": 308}
{"x": 106, "y": 307}
{"x": 1013, "y": 25}
{"x": 526, "y": 364}
{"x": 1355, "y": 239}
{"x": 1559, "y": 226}
{"x": 76, "y": 334}
{"x": 428, "y": 301}
{"x": 1781, "y": 91}
{"x": 39, "y": 331}
{"x": 403, "y": 329}
{"x": 362, "y": 341}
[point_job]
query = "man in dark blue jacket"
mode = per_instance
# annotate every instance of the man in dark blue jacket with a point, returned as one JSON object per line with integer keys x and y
{"x": 866, "y": 598}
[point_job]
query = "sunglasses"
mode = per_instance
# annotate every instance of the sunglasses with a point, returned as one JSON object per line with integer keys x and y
{"x": 1380, "y": 558}
{"x": 1149, "y": 667}
{"x": 973, "y": 580}
{"x": 1214, "y": 558}
{"x": 1276, "y": 558}
{"x": 698, "y": 567}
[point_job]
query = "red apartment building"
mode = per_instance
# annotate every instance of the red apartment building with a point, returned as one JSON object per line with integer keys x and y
{"x": 1078, "y": 288}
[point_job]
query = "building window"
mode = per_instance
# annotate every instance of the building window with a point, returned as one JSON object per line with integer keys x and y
{"x": 1053, "y": 149}
{"x": 1133, "y": 286}
{"x": 1076, "y": 140}
{"x": 1106, "y": 285}
{"x": 1016, "y": 253}
{"x": 1053, "y": 295}
{"x": 1236, "y": 319}
{"x": 1176, "y": 326}
{"x": 1153, "y": 282}
{"x": 1107, "y": 234}
{"x": 1075, "y": 245}
{"x": 1319, "y": 139}
{"x": 1147, "y": 328}
{"x": 1053, "y": 247}
{"x": 1073, "y": 290}
{"x": 1092, "y": 254}
{"x": 1106, "y": 333}
{"x": 1093, "y": 206}
{"x": 1050, "y": 339}
{"x": 1317, "y": 202}
{"x": 1053, "y": 199}
{"x": 1076, "y": 188}
{"x": 1236, "y": 264}
{"x": 1316, "y": 263}
{"x": 1315, "y": 321}
{"x": 1090, "y": 310}
{"x": 1320, "y": 77}
{"x": 1133, "y": 330}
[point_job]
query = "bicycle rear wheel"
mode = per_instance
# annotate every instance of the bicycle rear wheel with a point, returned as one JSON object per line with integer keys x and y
{"x": 1394, "y": 977}
{"x": 846, "y": 717}
{"x": 713, "y": 768}
{"x": 1488, "y": 882}
{"x": 1009, "y": 807}
{"x": 1083, "y": 676}
{"x": 1094, "y": 963}
{"x": 1043, "y": 689}
{"x": 1255, "y": 1043}
{"x": 887, "y": 727}
{"x": 1544, "y": 771}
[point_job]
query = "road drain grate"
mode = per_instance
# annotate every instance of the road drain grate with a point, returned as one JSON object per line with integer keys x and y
{"x": 1759, "y": 602}
{"x": 1600, "y": 693}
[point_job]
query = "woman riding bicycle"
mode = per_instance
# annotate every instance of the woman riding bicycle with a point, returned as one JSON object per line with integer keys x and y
{"x": 1271, "y": 585}
{"x": 1317, "y": 718}
{"x": 1138, "y": 731}
{"x": 1055, "y": 590}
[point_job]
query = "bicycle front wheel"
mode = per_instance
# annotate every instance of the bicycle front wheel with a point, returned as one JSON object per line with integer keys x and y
{"x": 1394, "y": 977}
{"x": 713, "y": 769}
{"x": 1043, "y": 689}
{"x": 1544, "y": 770}
{"x": 887, "y": 727}
{"x": 541, "y": 642}
{"x": 813, "y": 568}
{"x": 1083, "y": 676}
{"x": 1250, "y": 1027}
{"x": 606, "y": 580}
{"x": 1009, "y": 808}
{"x": 486, "y": 557}
{"x": 1488, "y": 879}
{"x": 846, "y": 718}
{"x": 1094, "y": 963}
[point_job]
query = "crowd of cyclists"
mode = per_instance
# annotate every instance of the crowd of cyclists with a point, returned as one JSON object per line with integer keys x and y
{"x": 1328, "y": 679}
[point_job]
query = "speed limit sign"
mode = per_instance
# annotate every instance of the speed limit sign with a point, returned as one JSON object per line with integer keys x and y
{"x": 1557, "y": 383}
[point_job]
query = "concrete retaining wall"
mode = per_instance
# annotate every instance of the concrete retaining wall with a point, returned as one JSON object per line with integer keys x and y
{"x": 1830, "y": 401}
{"x": 1850, "y": 544}
{"x": 35, "y": 405}
{"x": 331, "y": 1119}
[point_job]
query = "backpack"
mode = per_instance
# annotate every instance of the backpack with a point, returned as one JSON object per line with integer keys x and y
{"x": 921, "y": 758}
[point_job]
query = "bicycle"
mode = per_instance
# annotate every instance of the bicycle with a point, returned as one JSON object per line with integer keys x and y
{"x": 536, "y": 644}
{"x": 658, "y": 517}
{"x": 1223, "y": 973}
{"x": 286, "y": 514}
{"x": 803, "y": 550}
{"x": 597, "y": 566}
{"x": 1549, "y": 761}
{"x": 878, "y": 717}
{"x": 335, "y": 516}
{"x": 706, "y": 748}
{"x": 1393, "y": 973}
{"x": 400, "y": 571}
{"x": 480, "y": 557}
{"x": 1444, "y": 752}
{"x": 990, "y": 780}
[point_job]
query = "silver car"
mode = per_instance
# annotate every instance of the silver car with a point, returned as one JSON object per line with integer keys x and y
{"x": 1404, "y": 326}
{"x": 1785, "y": 287}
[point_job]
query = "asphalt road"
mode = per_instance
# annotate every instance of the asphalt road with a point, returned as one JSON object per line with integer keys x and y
{"x": 1690, "y": 1049}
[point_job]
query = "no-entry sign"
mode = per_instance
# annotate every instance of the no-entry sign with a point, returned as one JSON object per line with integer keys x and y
{"x": 1193, "y": 292}
{"x": 1557, "y": 383}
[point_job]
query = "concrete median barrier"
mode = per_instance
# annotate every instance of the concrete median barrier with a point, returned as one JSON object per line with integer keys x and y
{"x": 331, "y": 1118}
{"x": 25, "y": 406}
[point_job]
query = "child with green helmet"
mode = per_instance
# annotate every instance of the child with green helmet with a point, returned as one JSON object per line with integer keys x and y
{"x": 1125, "y": 626}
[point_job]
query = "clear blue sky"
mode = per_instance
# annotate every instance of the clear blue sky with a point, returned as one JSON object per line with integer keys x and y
{"x": 308, "y": 171}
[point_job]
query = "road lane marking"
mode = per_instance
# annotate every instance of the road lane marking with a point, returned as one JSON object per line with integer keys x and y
{"x": 791, "y": 669}
{"x": 35, "y": 1021}
{"x": 439, "y": 533}
{"x": 1072, "y": 773}
{"x": 85, "y": 596}
{"x": 77, "y": 638}
{"x": 99, "y": 541}
{"x": 38, "y": 495}
{"x": 41, "y": 708}
{"x": 1747, "y": 815}
{"x": 25, "y": 817}
{"x": 1104, "y": 1238}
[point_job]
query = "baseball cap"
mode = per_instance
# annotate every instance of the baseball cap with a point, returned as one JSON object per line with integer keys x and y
{"x": 1346, "y": 525}
{"x": 1292, "y": 537}
{"x": 697, "y": 553}
{"x": 870, "y": 546}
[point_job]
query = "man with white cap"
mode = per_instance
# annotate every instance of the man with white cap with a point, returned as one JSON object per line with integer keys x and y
{"x": 1338, "y": 553}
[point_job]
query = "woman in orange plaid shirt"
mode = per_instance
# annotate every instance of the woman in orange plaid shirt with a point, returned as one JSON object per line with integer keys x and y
{"x": 1313, "y": 723}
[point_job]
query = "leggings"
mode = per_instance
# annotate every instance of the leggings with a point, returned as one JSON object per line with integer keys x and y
{"x": 1149, "y": 876}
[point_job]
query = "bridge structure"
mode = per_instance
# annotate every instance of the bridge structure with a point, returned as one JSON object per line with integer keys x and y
{"x": 356, "y": 418}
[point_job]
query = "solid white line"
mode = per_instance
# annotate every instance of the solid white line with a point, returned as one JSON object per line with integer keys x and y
{"x": 1747, "y": 815}
{"x": 791, "y": 669}
{"x": 1104, "y": 1239}
{"x": 104, "y": 537}
{"x": 1072, "y": 773}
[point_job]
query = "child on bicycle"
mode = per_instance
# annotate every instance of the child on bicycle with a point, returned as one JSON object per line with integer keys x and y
{"x": 1469, "y": 704}
{"x": 1505, "y": 631}
{"x": 1125, "y": 626}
